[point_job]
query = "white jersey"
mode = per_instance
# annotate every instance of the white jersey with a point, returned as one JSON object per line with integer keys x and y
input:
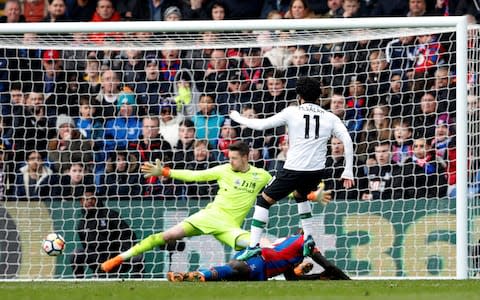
{"x": 310, "y": 127}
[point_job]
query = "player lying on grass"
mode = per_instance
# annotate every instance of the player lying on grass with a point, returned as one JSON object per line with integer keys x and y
{"x": 239, "y": 183}
{"x": 285, "y": 257}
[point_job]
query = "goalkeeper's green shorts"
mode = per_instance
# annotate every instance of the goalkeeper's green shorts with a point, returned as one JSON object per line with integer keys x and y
{"x": 216, "y": 223}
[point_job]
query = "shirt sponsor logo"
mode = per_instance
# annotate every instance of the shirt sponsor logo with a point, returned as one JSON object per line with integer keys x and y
{"x": 243, "y": 185}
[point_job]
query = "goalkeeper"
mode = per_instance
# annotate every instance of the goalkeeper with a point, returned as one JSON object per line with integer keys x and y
{"x": 285, "y": 257}
{"x": 239, "y": 184}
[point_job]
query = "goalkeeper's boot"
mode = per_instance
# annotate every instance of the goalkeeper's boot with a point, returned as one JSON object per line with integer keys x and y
{"x": 320, "y": 195}
{"x": 250, "y": 252}
{"x": 176, "y": 276}
{"x": 308, "y": 246}
{"x": 112, "y": 263}
{"x": 194, "y": 276}
{"x": 303, "y": 268}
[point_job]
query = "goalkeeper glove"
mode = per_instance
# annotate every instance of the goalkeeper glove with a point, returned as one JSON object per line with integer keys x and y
{"x": 320, "y": 195}
{"x": 156, "y": 169}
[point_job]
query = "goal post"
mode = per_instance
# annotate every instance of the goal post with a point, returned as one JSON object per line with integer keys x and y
{"x": 462, "y": 152}
{"x": 369, "y": 237}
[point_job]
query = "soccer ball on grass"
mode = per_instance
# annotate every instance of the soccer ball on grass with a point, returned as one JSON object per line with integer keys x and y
{"x": 53, "y": 244}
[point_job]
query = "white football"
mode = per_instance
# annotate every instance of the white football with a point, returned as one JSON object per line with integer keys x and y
{"x": 53, "y": 244}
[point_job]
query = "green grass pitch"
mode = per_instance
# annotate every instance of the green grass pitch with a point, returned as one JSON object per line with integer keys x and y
{"x": 355, "y": 289}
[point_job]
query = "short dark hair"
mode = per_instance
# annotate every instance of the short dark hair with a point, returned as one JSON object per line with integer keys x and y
{"x": 209, "y": 95}
{"x": 308, "y": 89}
{"x": 217, "y": 3}
{"x": 86, "y": 100}
{"x": 91, "y": 189}
{"x": 202, "y": 142}
{"x": 241, "y": 147}
{"x": 276, "y": 74}
{"x": 384, "y": 142}
{"x": 41, "y": 153}
{"x": 187, "y": 123}
{"x": 16, "y": 86}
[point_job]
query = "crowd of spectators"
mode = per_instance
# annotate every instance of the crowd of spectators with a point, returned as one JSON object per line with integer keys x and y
{"x": 174, "y": 10}
{"x": 81, "y": 117}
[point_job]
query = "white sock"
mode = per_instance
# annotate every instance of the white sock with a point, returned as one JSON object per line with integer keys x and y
{"x": 127, "y": 254}
{"x": 306, "y": 220}
{"x": 260, "y": 219}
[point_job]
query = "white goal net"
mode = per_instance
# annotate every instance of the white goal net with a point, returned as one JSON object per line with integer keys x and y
{"x": 84, "y": 105}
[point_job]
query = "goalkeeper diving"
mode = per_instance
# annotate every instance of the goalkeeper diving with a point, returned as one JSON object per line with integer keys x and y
{"x": 239, "y": 184}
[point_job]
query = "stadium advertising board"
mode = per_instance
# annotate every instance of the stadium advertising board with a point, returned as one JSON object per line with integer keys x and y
{"x": 398, "y": 238}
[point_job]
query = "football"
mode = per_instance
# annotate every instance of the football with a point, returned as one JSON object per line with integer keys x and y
{"x": 53, "y": 244}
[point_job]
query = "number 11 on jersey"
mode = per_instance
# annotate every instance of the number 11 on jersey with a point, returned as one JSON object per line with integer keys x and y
{"x": 316, "y": 119}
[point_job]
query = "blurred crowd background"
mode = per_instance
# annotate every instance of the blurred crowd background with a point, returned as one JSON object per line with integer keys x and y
{"x": 77, "y": 118}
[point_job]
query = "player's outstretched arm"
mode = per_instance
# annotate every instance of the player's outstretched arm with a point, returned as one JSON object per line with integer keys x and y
{"x": 156, "y": 169}
{"x": 259, "y": 124}
{"x": 332, "y": 272}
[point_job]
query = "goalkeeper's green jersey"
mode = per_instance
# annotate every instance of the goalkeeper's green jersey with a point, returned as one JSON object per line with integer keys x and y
{"x": 237, "y": 191}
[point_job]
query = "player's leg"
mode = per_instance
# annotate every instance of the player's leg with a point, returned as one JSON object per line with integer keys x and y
{"x": 232, "y": 235}
{"x": 176, "y": 232}
{"x": 306, "y": 222}
{"x": 260, "y": 218}
{"x": 306, "y": 183}
{"x": 242, "y": 241}
{"x": 234, "y": 270}
{"x": 279, "y": 188}
{"x": 259, "y": 222}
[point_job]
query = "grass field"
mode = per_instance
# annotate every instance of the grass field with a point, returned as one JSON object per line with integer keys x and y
{"x": 372, "y": 290}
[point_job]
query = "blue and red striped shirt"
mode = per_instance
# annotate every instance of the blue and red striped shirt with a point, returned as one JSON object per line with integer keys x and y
{"x": 278, "y": 259}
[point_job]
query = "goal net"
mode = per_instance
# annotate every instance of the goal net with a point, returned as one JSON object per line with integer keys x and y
{"x": 84, "y": 105}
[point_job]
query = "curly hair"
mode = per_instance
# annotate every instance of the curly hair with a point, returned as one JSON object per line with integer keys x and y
{"x": 308, "y": 89}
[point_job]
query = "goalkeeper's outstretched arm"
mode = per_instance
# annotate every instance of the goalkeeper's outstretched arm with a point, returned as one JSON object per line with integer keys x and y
{"x": 159, "y": 170}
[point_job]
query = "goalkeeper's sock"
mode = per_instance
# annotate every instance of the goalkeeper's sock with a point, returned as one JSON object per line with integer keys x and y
{"x": 306, "y": 220}
{"x": 150, "y": 242}
{"x": 217, "y": 273}
{"x": 260, "y": 219}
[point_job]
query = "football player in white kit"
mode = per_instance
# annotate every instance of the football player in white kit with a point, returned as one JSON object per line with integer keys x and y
{"x": 310, "y": 127}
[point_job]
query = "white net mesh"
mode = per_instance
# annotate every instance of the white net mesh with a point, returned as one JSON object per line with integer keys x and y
{"x": 77, "y": 113}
